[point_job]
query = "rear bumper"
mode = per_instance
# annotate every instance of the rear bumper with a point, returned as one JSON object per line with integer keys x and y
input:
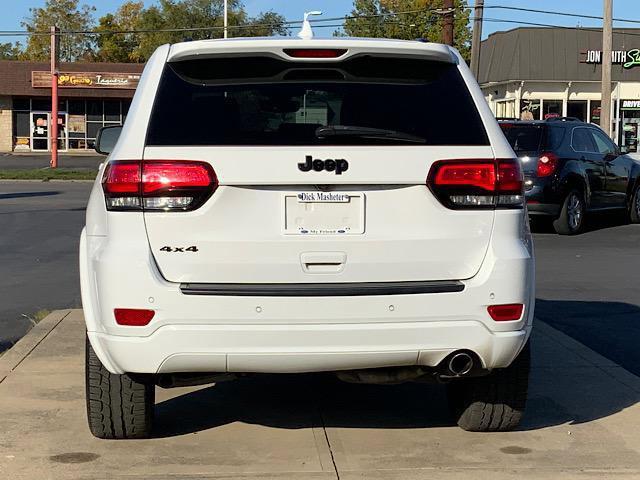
{"x": 219, "y": 333}
{"x": 304, "y": 348}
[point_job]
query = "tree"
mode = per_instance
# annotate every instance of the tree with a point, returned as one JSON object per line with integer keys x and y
{"x": 68, "y": 16}
{"x": 119, "y": 47}
{"x": 200, "y": 15}
{"x": 377, "y": 18}
{"x": 10, "y": 51}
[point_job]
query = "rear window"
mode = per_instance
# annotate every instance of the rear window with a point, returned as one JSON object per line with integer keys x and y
{"x": 523, "y": 138}
{"x": 267, "y": 101}
{"x": 533, "y": 138}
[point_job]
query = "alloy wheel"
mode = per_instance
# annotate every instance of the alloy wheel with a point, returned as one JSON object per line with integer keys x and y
{"x": 575, "y": 212}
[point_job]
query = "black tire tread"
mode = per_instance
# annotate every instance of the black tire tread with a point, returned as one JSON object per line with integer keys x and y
{"x": 494, "y": 403}
{"x": 118, "y": 406}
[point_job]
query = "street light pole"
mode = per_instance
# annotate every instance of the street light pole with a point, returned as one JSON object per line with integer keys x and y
{"x": 54, "y": 97}
{"x": 607, "y": 46}
{"x": 477, "y": 37}
{"x": 226, "y": 10}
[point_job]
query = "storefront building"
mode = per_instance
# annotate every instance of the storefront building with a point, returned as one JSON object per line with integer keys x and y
{"x": 537, "y": 73}
{"x": 91, "y": 95}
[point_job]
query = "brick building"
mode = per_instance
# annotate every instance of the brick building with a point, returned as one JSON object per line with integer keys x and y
{"x": 92, "y": 95}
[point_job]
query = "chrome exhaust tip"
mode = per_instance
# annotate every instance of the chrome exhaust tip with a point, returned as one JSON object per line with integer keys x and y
{"x": 460, "y": 364}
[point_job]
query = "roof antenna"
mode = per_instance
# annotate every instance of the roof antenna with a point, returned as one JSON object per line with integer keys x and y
{"x": 306, "y": 33}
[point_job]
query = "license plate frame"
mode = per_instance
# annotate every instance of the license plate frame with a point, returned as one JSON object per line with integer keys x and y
{"x": 303, "y": 213}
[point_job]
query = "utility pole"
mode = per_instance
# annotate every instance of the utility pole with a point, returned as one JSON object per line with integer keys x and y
{"x": 607, "y": 41}
{"x": 226, "y": 19}
{"x": 476, "y": 40}
{"x": 447, "y": 29}
{"x": 53, "y": 130}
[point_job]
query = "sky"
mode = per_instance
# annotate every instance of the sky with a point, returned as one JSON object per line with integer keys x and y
{"x": 13, "y": 11}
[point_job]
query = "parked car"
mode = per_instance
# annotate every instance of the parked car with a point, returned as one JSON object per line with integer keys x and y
{"x": 288, "y": 205}
{"x": 571, "y": 169}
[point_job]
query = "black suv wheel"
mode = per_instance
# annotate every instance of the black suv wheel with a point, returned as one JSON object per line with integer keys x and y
{"x": 118, "y": 406}
{"x": 494, "y": 403}
{"x": 634, "y": 208}
{"x": 571, "y": 219}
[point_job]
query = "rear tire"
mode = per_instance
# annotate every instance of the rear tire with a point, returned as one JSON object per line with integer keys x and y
{"x": 494, "y": 403}
{"x": 118, "y": 406}
{"x": 634, "y": 208}
{"x": 571, "y": 219}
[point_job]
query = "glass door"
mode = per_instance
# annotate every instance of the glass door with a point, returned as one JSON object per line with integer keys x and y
{"x": 63, "y": 136}
{"x": 40, "y": 131}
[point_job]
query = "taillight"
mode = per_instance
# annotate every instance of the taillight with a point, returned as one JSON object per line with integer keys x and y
{"x": 506, "y": 313}
{"x": 157, "y": 185}
{"x": 133, "y": 317}
{"x": 465, "y": 184}
{"x": 315, "y": 52}
{"x": 547, "y": 164}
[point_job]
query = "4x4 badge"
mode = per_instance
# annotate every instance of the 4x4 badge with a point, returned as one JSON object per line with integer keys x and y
{"x": 330, "y": 165}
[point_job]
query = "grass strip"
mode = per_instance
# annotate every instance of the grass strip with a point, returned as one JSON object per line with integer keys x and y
{"x": 48, "y": 174}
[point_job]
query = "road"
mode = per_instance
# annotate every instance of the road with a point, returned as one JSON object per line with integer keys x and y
{"x": 18, "y": 161}
{"x": 587, "y": 286}
{"x": 40, "y": 224}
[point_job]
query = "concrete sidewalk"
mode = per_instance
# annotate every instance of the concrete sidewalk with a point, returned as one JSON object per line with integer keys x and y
{"x": 581, "y": 423}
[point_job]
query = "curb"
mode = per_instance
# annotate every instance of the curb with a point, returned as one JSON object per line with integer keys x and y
{"x": 13, "y": 357}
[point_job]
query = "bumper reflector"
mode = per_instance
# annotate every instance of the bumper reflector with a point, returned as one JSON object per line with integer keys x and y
{"x": 133, "y": 317}
{"x": 506, "y": 313}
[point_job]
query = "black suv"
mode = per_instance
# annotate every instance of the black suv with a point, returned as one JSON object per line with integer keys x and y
{"x": 572, "y": 168}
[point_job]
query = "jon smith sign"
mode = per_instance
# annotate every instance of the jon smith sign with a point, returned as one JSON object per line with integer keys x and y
{"x": 626, "y": 58}
{"x": 126, "y": 81}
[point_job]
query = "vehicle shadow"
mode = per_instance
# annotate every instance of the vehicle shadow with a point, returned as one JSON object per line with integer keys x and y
{"x": 11, "y": 195}
{"x": 595, "y": 222}
{"x": 558, "y": 394}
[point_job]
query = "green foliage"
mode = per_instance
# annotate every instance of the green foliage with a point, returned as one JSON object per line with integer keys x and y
{"x": 68, "y": 16}
{"x": 10, "y": 51}
{"x": 375, "y": 18}
{"x": 175, "y": 15}
{"x": 178, "y": 15}
{"x": 119, "y": 47}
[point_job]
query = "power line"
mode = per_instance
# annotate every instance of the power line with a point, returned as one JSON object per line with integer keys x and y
{"x": 286, "y": 24}
{"x": 560, "y": 14}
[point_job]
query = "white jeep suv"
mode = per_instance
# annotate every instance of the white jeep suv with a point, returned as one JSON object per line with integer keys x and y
{"x": 285, "y": 205}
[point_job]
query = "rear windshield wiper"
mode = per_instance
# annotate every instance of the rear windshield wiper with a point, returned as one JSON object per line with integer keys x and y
{"x": 366, "y": 132}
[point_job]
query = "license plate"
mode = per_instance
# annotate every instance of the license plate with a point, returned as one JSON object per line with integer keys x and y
{"x": 324, "y": 213}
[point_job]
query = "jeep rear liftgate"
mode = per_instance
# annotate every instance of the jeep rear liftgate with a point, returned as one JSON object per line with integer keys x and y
{"x": 267, "y": 171}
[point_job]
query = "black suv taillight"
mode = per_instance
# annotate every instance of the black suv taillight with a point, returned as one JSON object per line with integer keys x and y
{"x": 471, "y": 184}
{"x": 157, "y": 185}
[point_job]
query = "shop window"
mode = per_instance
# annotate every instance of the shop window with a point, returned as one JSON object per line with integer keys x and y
{"x": 577, "y": 109}
{"x": 92, "y": 129}
{"x": 112, "y": 110}
{"x": 530, "y": 110}
{"x": 76, "y": 107}
{"x": 506, "y": 109}
{"x": 551, "y": 108}
{"x": 21, "y": 124}
{"x": 21, "y": 104}
{"x": 41, "y": 104}
{"x": 94, "y": 110}
{"x": 596, "y": 107}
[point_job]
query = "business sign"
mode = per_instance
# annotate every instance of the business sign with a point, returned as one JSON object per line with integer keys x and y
{"x": 124, "y": 81}
{"x": 626, "y": 58}
{"x": 630, "y": 105}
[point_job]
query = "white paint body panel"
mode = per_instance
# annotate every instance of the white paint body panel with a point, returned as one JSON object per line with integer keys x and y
{"x": 408, "y": 235}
